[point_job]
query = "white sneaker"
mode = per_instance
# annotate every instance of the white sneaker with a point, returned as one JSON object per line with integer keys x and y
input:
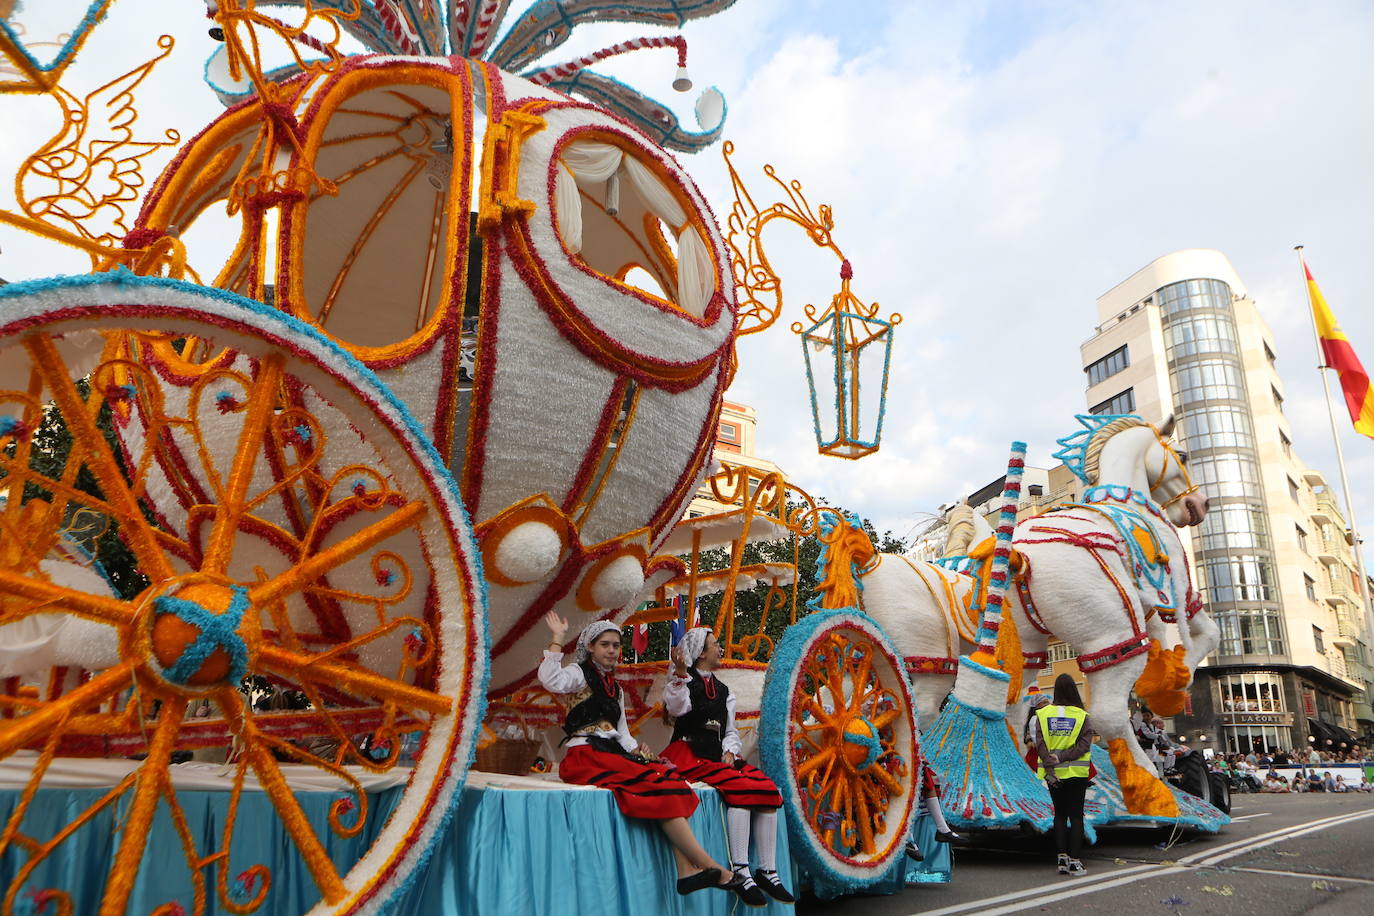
{"x": 1062, "y": 864}
{"x": 1076, "y": 868}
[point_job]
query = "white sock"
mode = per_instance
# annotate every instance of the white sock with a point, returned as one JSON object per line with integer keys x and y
{"x": 936, "y": 814}
{"x": 766, "y": 839}
{"x": 737, "y": 829}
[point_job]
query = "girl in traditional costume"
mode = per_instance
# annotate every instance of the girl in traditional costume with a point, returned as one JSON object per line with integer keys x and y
{"x": 601, "y": 751}
{"x": 706, "y": 748}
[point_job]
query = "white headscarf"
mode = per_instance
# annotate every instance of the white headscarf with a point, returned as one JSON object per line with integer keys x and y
{"x": 693, "y": 643}
{"x": 589, "y": 634}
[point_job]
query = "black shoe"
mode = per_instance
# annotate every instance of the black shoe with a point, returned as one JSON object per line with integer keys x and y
{"x": 707, "y": 877}
{"x": 914, "y": 852}
{"x": 948, "y": 836}
{"x": 768, "y": 880}
{"x": 745, "y": 889}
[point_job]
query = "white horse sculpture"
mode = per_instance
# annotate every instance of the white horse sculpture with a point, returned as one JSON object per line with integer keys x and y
{"x": 1107, "y": 575}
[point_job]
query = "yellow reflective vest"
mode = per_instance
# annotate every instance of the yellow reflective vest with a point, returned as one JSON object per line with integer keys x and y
{"x": 1060, "y": 727}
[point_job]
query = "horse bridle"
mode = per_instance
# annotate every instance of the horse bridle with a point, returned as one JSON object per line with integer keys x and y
{"x": 1164, "y": 469}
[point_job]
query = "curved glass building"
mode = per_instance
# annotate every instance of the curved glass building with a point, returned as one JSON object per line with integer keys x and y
{"x": 1272, "y": 558}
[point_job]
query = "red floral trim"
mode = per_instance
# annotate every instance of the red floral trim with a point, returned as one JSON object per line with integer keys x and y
{"x": 1035, "y": 660}
{"x": 1105, "y": 658}
{"x": 930, "y": 664}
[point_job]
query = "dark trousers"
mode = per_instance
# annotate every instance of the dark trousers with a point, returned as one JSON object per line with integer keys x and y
{"x": 1068, "y": 796}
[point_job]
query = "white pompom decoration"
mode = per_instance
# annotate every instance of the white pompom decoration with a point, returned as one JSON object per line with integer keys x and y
{"x": 529, "y": 552}
{"x": 619, "y": 583}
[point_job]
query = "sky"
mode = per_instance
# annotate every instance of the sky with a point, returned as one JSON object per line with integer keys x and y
{"x": 993, "y": 167}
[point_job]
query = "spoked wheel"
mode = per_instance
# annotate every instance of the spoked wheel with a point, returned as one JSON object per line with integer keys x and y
{"x": 327, "y": 554}
{"x": 837, "y": 733}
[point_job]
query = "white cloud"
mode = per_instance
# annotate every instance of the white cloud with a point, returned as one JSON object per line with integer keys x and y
{"x": 993, "y": 167}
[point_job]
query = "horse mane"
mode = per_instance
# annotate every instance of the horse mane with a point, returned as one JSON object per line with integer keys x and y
{"x": 962, "y": 531}
{"x": 1099, "y": 440}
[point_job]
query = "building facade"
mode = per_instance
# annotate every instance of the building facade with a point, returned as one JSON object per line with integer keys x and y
{"x": 736, "y": 444}
{"x": 1273, "y": 559}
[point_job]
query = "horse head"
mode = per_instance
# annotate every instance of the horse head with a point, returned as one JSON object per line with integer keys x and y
{"x": 1169, "y": 481}
{"x": 1127, "y": 451}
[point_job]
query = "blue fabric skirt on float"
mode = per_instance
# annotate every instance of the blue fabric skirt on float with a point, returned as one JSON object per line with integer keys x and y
{"x": 515, "y": 845}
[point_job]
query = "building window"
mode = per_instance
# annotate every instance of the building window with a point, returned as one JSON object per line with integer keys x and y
{"x": 1122, "y": 403}
{"x": 1317, "y": 640}
{"x": 1293, "y": 491}
{"x": 1232, "y": 526}
{"x": 1302, "y": 538}
{"x": 1286, "y": 443}
{"x": 1214, "y": 378}
{"x": 1310, "y": 586}
{"x": 729, "y": 432}
{"x": 1215, "y": 426}
{"x": 1241, "y": 577}
{"x": 1251, "y": 691}
{"x": 1108, "y": 365}
{"x": 1269, "y": 353}
{"x": 1199, "y": 334}
{"x": 1278, "y": 398}
{"x": 1224, "y": 474}
{"x": 1194, "y": 294}
{"x": 1251, "y": 631}
{"x": 1061, "y": 652}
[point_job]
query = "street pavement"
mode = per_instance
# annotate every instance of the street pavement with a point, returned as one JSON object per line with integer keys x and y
{"x": 1281, "y": 855}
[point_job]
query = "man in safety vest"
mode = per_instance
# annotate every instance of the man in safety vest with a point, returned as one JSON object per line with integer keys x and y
{"x": 1063, "y": 737}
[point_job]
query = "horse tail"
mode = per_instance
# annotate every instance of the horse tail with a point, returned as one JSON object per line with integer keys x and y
{"x": 847, "y": 553}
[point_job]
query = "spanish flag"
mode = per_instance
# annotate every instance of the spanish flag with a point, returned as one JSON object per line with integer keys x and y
{"x": 1338, "y": 354}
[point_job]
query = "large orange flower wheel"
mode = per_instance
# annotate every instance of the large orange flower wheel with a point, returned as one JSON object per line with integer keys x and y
{"x": 838, "y": 735}
{"x": 325, "y": 557}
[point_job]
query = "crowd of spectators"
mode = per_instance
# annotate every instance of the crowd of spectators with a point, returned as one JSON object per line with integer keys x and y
{"x": 1255, "y": 771}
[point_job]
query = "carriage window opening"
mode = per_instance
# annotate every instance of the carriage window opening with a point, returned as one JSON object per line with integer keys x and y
{"x": 618, "y": 217}
{"x": 642, "y": 280}
{"x": 1108, "y": 365}
{"x": 1120, "y": 404}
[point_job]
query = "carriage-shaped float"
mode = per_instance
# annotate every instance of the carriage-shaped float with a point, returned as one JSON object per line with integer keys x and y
{"x": 462, "y": 365}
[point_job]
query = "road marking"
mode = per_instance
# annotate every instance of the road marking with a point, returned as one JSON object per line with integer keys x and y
{"x": 1248, "y": 816}
{"x": 1015, "y": 901}
{"x": 1302, "y": 874}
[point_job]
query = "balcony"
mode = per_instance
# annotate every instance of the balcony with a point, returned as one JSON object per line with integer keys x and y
{"x": 1339, "y": 592}
{"x": 1325, "y": 509}
{"x": 1347, "y": 630}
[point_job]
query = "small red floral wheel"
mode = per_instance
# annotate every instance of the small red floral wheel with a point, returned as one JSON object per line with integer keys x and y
{"x": 327, "y": 558}
{"x": 837, "y": 733}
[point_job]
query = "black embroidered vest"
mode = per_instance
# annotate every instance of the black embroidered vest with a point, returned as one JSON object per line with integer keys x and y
{"x": 595, "y": 704}
{"x": 703, "y": 726}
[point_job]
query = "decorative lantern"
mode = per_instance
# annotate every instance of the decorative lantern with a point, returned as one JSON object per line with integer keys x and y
{"x": 847, "y": 353}
{"x": 847, "y": 348}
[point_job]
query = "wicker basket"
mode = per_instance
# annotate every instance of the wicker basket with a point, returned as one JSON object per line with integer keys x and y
{"x": 511, "y": 756}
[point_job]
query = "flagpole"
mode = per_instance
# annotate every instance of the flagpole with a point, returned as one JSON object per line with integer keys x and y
{"x": 1340, "y": 460}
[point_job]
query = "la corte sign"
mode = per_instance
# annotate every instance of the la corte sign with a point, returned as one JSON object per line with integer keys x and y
{"x": 1257, "y": 718}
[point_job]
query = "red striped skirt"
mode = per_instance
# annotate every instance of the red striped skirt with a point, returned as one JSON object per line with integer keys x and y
{"x": 640, "y": 789}
{"x": 746, "y": 787}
